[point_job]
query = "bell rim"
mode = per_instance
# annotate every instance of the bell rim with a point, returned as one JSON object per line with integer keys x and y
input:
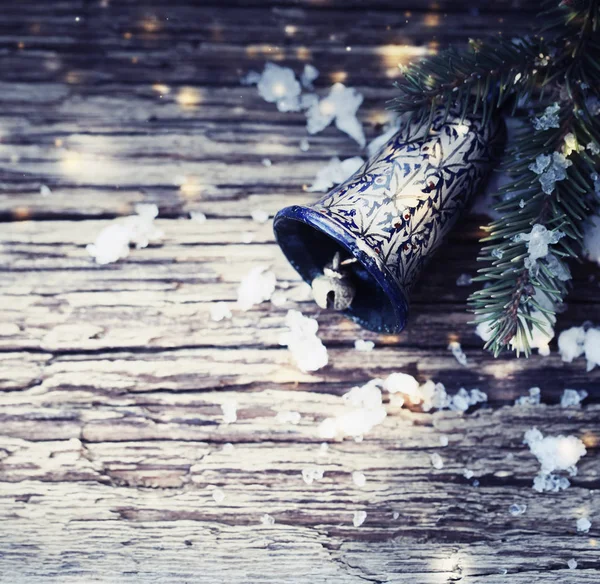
{"x": 364, "y": 254}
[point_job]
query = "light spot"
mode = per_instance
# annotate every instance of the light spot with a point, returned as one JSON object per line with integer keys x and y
{"x": 150, "y": 24}
{"x": 189, "y": 97}
{"x": 338, "y": 76}
{"x": 161, "y": 88}
{"x": 432, "y": 20}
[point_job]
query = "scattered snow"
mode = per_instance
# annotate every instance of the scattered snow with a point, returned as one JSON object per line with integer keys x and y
{"x": 251, "y": 78}
{"x": 266, "y": 162}
{"x": 45, "y": 191}
{"x": 197, "y": 216}
{"x": 591, "y": 347}
{"x": 364, "y": 410}
{"x": 550, "y": 169}
{"x": 259, "y": 216}
{"x": 468, "y": 473}
{"x": 218, "y": 495}
{"x": 304, "y": 145}
{"x": 288, "y": 417}
{"x": 572, "y": 397}
{"x": 444, "y": 440}
{"x": 591, "y": 239}
{"x": 436, "y": 461}
{"x": 554, "y": 453}
{"x": 557, "y": 267}
{"x": 114, "y": 241}
{"x": 533, "y": 399}
{"x": 257, "y": 286}
{"x": 336, "y": 172}
{"x": 572, "y": 563}
{"x": 358, "y": 518}
{"x": 517, "y": 509}
{"x": 229, "y": 409}
{"x": 219, "y": 311}
{"x": 278, "y": 298}
{"x": 309, "y": 475}
{"x": 279, "y": 85}
{"x": 458, "y": 353}
{"x": 308, "y": 351}
{"x": 403, "y": 383}
{"x": 359, "y": 479}
{"x": 309, "y": 74}
{"x": 593, "y": 149}
{"x": 267, "y": 519}
{"x": 571, "y": 144}
{"x": 340, "y": 106}
{"x": 584, "y": 524}
{"x": 538, "y": 240}
{"x": 364, "y": 346}
{"x": 464, "y": 280}
{"x": 549, "y": 119}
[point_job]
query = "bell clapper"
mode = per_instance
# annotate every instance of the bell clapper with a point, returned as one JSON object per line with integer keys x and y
{"x": 333, "y": 289}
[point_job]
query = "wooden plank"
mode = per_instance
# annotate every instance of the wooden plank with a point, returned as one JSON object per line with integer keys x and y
{"x": 113, "y": 378}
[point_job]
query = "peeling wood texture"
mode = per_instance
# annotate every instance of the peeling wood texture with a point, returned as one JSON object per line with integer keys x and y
{"x": 113, "y": 447}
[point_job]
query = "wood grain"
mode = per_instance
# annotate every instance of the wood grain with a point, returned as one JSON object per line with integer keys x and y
{"x": 113, "y": 378}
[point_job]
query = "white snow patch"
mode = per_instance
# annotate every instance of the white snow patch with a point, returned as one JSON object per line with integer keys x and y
{"x": 308, "y": 351}
{"x": 533, "y": 399}
{"x": 218, "y": 495}
{"x": 257, "y": 286}
{"x": 583, "y": 525}
{"x": 198, "y": 216}
{"x": 554, "y": 453}
{"x": 358, "y": 518}
{"x": 359, "y": 479}
{"x": 259, "y": 216}
{"x": 309, "y": 74}
{"x": 219, "y": 311}
{"x": 114, "y": 241}
{"x": 591, "y": 239}
{"x": 288, "y": 417}
{"x": 279, "y": 85}
{"x": 364, "y": 410}
{"x": 437, "y": 461}
{"x": 572, "y": 397}
{"x": 592, "y": 348}
{"x": 571, "y": 343}
{"x": 364, "y": 346}
{"x": 267, "y": 519}
{"x": 229, "y": 409}
{"x": 458, "y": 353}
{"x": 309, "y": 475}
{"x": 340, "y": 106}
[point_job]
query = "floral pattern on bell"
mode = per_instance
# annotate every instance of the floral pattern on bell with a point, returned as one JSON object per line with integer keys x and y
{"x": 404, "y": 200}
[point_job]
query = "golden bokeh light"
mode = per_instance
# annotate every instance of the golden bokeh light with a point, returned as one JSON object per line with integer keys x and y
{"x": 431, "y": 20}
{"x": 190, "y": 187}
{"x": 338, "y": 76}
{"x": 150, "y": 24}
{"x": 161, "y": 88}
{"x": 189, "y": 97}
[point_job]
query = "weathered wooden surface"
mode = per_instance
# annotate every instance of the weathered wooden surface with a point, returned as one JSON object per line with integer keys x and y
{"x": 112, "y": 438}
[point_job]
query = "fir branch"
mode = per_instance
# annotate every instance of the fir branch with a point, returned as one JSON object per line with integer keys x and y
{"x": 560, "y": 64}
{"x": 479, "y": 79}
{"x": 521, "y": 291}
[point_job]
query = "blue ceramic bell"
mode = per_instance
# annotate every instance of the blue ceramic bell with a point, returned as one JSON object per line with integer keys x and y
{"x": 363, "y": 245}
